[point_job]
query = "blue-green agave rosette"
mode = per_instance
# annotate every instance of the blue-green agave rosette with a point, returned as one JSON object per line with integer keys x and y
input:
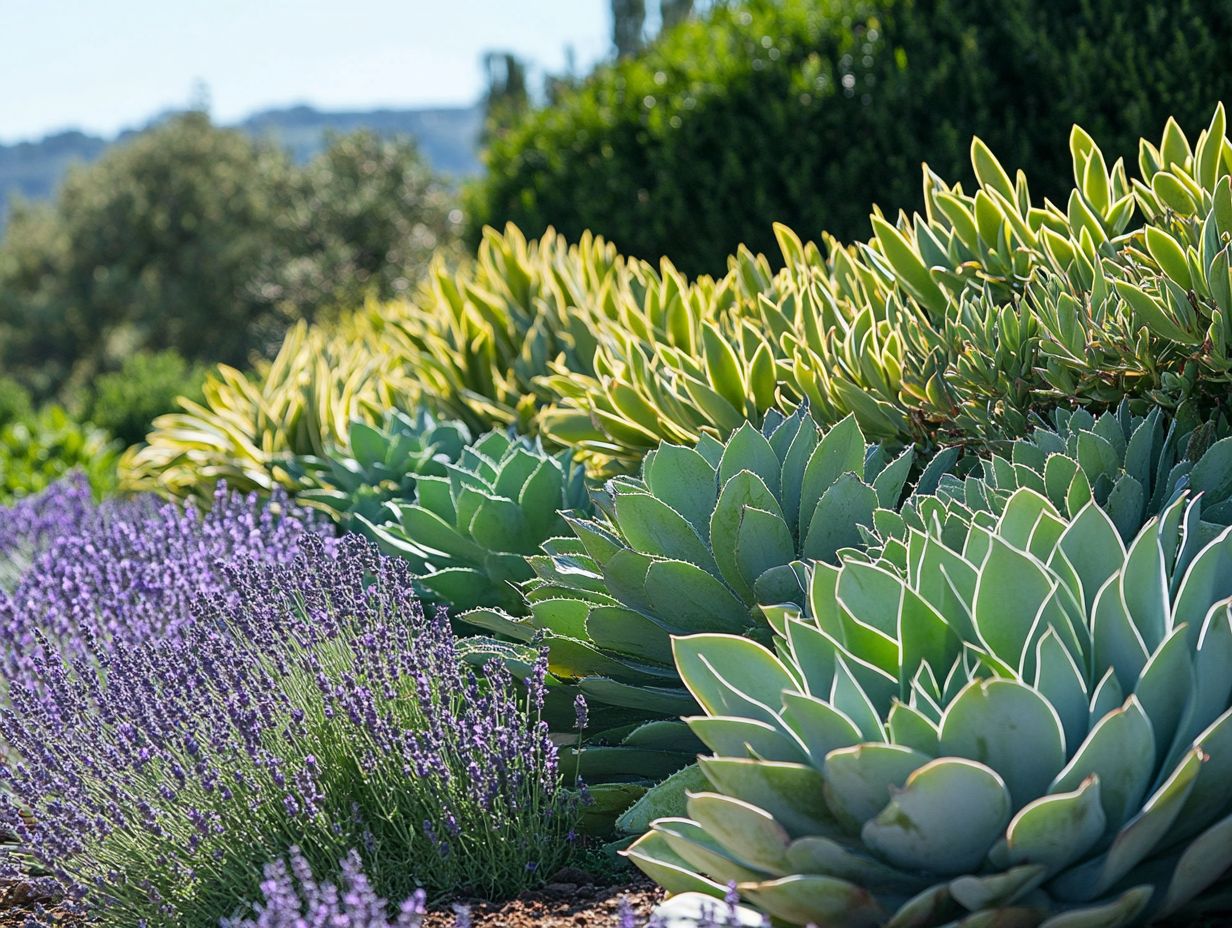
{"x": 1029, "y": 726}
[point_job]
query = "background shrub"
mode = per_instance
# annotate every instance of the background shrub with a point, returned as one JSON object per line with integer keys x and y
{"x": 147, "y": 385}
{"x": 15, "y": 401}
{"x": 37, "y": 449}
{"x": 807, "y": 113}
{"x": 197, "y": 238}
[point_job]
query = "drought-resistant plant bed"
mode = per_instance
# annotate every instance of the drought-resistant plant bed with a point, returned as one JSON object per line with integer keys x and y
{"x": 890, "y": 588}
{"x": 953, "y": 325}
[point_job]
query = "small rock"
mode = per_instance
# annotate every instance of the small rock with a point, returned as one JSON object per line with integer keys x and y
{"x": 561, "y": 889}
{"x": 571, "y": 875}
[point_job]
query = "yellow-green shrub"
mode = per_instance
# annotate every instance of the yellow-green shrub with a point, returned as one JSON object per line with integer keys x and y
{"x": 301, "y": 402}
{"x": 951, "y": 325}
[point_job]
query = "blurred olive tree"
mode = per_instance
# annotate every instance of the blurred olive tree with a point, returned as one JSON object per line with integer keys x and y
{"x": 199, "y": 239}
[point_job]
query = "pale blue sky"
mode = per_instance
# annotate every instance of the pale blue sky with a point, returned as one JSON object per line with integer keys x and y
{"x": 103, "y": 65}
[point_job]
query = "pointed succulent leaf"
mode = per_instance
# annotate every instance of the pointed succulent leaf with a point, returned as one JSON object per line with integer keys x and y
{"x": 840, "y": 451}
{"x": 997, "y": 891}
{"x": 652, "y": 526}
{"x": 1121, "y": 751}
{"x": 748, "y": 449}
{"x": 691, "y": 598}
{"x": 763, "y": 543}
{"x": 743, "y": 490}
{"x": 685, "y": 481}
{"x": 732, "y": 676}
{"x": 860, "y": 780}
{"x": 1133, "y": 842}
{"x": 821, "y": 900}
{"x": 820, "y": 727}
{"x": 1057, "y": 829}
{"x": 790, "y": 792}
{"x": 847, "y": 504}
{"x": 1200, "y": 865}
{"x": 750, "y": 834}
{"x": 736, "y": 737}
{"x": 1118, "y": 913}
{"x": 700, "y": 850}
{"x": 654, "y": 857}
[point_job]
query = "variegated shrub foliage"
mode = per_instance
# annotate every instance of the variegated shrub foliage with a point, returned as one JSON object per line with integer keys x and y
{"x": 1030, "y": 725}
{"x": 956, "y": 323}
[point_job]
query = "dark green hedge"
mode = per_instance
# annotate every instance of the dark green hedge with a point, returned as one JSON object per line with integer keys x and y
{"x": 809, "y": 112}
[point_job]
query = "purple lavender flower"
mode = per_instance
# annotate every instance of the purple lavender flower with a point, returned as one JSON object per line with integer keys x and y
{"x": 292, "y": 898}
{"x": 126, "y": 571}
{"x": 581, "y": 713}
{"x": 30, "y": 525}
{"x": 310, "y": 703}
{"x": 625, "y": 916}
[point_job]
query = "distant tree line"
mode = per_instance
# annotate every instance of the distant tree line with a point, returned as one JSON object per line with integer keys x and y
{"x": 510, "y": 93}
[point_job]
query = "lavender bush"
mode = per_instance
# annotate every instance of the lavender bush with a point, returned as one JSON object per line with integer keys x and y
{"x": 311, "y": 705}
{"x": 128, "y": 570}
{"x": 29, "y": 526}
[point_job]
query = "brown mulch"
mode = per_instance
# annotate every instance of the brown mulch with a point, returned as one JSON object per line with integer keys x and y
{"x": 20, "y": 899}
{"x": 570, "y": 901}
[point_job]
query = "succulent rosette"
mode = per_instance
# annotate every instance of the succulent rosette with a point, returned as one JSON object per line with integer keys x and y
{"x": 468, "y": 529}
{"x": 1132, "y": 466}
{"x": 1029, "y": 725}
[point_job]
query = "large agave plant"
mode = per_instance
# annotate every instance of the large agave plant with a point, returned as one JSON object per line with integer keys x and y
{"x": 383, "y": 464}
{"x": 1132, "y": 466}
{"x": 1032, "y": 730}
{"x": 698, "y": 542}
{"x": 468, "y": 531}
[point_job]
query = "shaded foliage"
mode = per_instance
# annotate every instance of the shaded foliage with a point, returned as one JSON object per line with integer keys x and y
{"x": 807, "y": 113}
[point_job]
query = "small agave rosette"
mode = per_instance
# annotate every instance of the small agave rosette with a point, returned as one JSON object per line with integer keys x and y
{"x": 1029, "y": 725}
{"x": 468, "y": 531}
{"x": 1133, "y": 466}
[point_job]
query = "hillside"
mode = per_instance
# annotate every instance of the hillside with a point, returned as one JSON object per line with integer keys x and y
{"x": 447, "y": 136}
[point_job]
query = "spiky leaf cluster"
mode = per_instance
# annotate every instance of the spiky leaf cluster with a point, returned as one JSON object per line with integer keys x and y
{"x": 1033, "y": 729}
{"x": 249, "y": 424}
{"x": 1132, "y": 466}
{"x": 696, "y": 543}
{"x": 468, "y": 531}
{"x": 961, "y": 320}
{"x": 383, "y": 463}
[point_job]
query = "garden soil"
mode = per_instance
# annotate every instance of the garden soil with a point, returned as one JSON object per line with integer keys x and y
{"x": 571, "y": 901}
